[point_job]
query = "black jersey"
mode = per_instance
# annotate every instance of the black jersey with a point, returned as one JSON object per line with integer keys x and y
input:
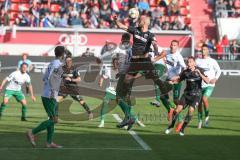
{"x": 141, "y": 41}
{"x": 193, "y": 80}
{"x": 71, "y": 72}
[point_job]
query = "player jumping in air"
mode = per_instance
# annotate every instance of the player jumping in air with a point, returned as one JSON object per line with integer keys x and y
{"x": 52, "y": 80}
{"x": 192, "y": 93}
{"x": 14, "y": 88}
{"x": 213, "y": 71}
{"x": 71, "y": 77}
{"x": 140, "y": 61}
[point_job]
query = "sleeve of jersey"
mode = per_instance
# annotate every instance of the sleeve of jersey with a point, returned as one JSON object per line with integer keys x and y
{"x": 182, "y": 76}
{"x": 131, "y": 29}
{"x": 28, "y": 80}
{"x": 182, "y": 63}
{"x": 10, "y": 77}
{"x": 217, "y": 70}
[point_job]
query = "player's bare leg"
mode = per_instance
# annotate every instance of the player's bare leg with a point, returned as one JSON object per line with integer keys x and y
{"x": 174, "y": 118}
{"x": 3, "y": 105}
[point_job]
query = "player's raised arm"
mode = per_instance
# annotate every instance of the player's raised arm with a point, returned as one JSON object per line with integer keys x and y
{"x": 119, "y": 24}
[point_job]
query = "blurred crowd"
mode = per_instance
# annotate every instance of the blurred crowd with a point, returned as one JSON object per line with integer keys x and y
{"x": 165, "y": 15}
{"x": 223, "y": 49}
{"x": 227, "y": 8}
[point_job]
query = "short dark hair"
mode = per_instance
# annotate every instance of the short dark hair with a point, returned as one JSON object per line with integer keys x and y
{"x": 126, "y": 37}
{"x": 191, "y": 57}
{"x": 205, "y": 45}
{"x": 175, "y": 41}
{"x": 68, "y": 53}
{"x": 23, "y": 64}
{"x": 59, "y": 51}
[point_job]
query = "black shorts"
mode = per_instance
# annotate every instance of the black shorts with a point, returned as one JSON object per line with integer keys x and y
{"x": 75, "y": 97}
{"x": 142, "y": 65}
{"x": 190, "y": 99}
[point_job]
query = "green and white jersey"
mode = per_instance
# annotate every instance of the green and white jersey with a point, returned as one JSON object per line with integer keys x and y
{"x": 175, "y": 64}
{"x": 211, "y": 69}
{"x": 108, "y": 73}
{"x": 16, "y": 79}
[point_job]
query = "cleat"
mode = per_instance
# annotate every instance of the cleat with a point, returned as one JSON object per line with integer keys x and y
{"x": 130, "y": 123}
{"x": 23, "y": 119}
{"x": 53, "y": 145}
{"x": 155, "y": 103}
{"x": 200, "y": 124}
{"x": 101, "y": 125}
{"x": 167, "y": 131}
{"x": 170, "y": 114}
{"x": 206, "y": 121}
{"x": 31, "y": 138}
{"x": 140, "y": 123}
{"x": 123, "y": 124}
{"x": 178, "y": 127}
{"x": 181, "y": 133}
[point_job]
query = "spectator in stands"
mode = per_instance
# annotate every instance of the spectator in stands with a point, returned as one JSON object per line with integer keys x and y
{"x": 123, "y": 13}
{"x": 156, "y": 15}
{"x": 221, "y": 9}
{"x": 230, "y": 8}
{"x": 63, "y": 21}
{"x": 173, "y": 8}
{"x": 225, "y": 45}
{"x": 162, "y": 3}
{"x": 4, "y": 17}
{"x": 94, "y": 16}
{"x": 219, "y": 49}
{"x": 105, "y": 13}
{"x": 25, "y": 60}
{"x": 47, "y": 20}
{"x": 143, "y": 5}
{"x": 176, "y": 24}
{"x": 165, "y": 23}
{"x": 234, "y": 49}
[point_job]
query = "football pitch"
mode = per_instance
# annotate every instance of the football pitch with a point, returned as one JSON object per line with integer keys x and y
{"x": 83, "y": 140}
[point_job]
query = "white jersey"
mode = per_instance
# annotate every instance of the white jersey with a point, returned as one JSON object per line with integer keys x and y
{"x": 16, "y": 79}
{"x": 211, "y": 69}
{"x": 51, "y": 89}
{"x": 175, "y": 64}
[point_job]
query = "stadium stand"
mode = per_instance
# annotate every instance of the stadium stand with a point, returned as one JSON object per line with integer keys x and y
{"x": 166, "y": 14}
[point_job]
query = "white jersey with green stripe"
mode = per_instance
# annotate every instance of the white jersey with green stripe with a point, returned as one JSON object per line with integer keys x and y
{"x": 175, "y": 64}
{"x": 16, "y": 79}
{"x": 211, "y": 69}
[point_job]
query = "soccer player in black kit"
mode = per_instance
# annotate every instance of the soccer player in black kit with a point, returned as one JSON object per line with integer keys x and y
{"x": 71, "y": 77}
{"x": 192, "y": 93}
{"x": 140, "y": 62}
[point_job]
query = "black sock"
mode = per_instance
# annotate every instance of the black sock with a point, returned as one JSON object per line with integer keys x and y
{"x": 175, "y": 116}
{"x": 187, "y": 119}
{"x": 86, "y": 107}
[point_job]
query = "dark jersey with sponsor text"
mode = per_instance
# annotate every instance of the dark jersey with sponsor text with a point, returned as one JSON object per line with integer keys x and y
{"x": 141, "y": 41}
{"x": 71, "y": 72}
{"x": 193, "y": 80}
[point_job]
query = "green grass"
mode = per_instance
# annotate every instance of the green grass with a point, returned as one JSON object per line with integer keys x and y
{"x": 83, "y": 140}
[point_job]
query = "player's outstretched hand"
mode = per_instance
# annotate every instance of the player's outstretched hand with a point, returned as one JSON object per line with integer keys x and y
{"x": 33, "y": 98}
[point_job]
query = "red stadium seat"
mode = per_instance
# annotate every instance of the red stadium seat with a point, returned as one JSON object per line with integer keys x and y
{"x": 163, "y": 10}
{"x": 14, "y": 7}
{"x": 172, "y": 18}
{"x": 16, "y": 1}
{"x": 13, "y": 15}
{"x": 184, "y": 11}
{"x": 183, "y": 3}
{"x": 152, "y": 3}
{"x": 55, "y": 8}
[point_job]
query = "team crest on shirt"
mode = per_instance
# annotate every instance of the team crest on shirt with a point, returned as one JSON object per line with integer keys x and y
{"x": 145, "y": 35}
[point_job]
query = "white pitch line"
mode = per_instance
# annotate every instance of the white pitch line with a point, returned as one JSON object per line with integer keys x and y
{"x": 144, "y": 145}
{"x": 71, "y": 148}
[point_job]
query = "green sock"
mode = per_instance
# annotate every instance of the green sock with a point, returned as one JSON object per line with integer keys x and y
{"x": 50, "y": 131}
{"x": 132, "y": 113}
{"x": 157, "y": 93}
{"x": 165, "y": 103}
{"x": 206, "y": 112}
{"x": 180, "y": 117}
{"x": 104, "y": 109}
{"x": 42, "y": 126}
{"x": 2, "y": 108}
{"x": 125, "y": 106}
{"x": 24, "y": 111}
{"x": 199, "y": 116}
{"x": 86, "y": 107}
